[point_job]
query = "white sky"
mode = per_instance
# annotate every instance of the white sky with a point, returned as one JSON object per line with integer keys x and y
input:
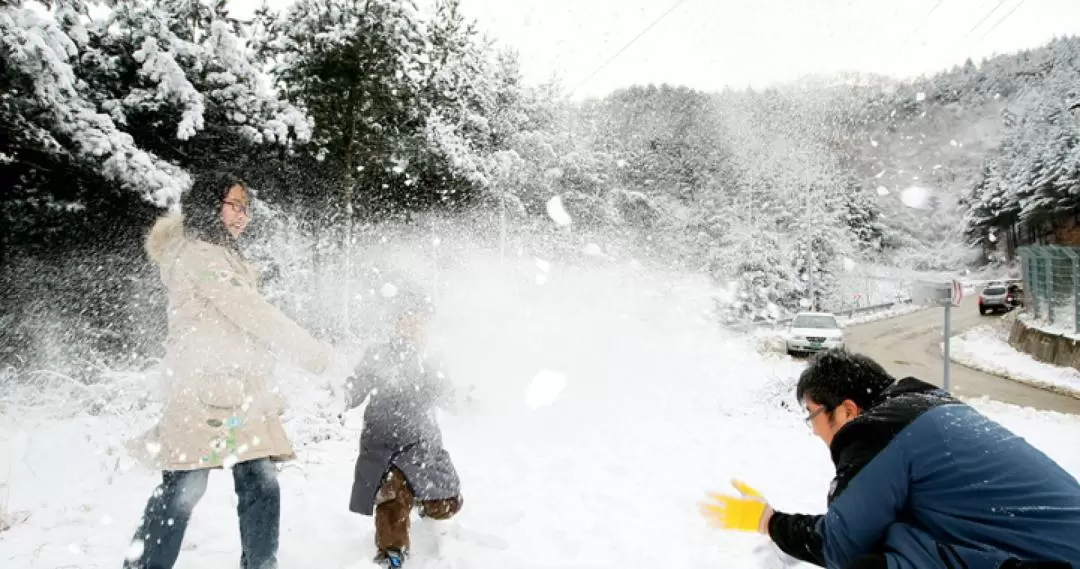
{"x": 710, "y": 44}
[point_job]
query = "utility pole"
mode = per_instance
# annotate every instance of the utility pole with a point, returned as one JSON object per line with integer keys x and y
{"x": 435, "y": 241}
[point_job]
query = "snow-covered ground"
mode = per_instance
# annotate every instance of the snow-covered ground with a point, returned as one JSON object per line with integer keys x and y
{"x": 659, "y": 406}
{"x": 987, "y": 348}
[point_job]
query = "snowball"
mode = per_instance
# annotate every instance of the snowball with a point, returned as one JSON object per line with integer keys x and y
{"x": 388, "y": 290}
{"x": 592, "y": 249}
{"x": 915, "y": 197}
{"x": 544, "y": 388}
{"x": 135, "y": 550}
{"x": 882, "y": 191}
{"x": 920, "y": 97}
{"x": 557, "y": 212}
{"x": 849, "y": 265}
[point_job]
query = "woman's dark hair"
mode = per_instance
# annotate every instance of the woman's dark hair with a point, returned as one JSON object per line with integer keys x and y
{"x": 836, "y": 375}
{"x": 201, "y": 206}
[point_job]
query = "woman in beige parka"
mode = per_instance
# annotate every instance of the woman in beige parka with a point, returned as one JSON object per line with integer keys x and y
{"x": 219, "y": 410}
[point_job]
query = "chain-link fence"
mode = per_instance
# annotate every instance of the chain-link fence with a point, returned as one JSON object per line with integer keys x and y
{"x": 1052, "y": 283}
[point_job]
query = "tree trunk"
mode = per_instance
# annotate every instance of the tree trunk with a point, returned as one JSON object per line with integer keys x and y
{"x": 317, "y": 269}
{"x": 348, "y": 184}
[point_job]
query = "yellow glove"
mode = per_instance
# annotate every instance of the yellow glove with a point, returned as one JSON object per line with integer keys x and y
{"x": 742, "y": 513}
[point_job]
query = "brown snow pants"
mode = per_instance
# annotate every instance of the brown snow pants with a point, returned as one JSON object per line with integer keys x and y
{"x": 394, "y": 504}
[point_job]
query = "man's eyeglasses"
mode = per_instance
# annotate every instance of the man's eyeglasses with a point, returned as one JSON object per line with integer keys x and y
{"x": 810, "y": 418}
{"x": 239, "y": 208}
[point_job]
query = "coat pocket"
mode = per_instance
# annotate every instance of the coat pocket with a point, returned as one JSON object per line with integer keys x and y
{"x": 223, "y": 393}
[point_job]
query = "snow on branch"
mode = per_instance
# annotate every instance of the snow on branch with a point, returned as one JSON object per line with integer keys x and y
{"x": 37, "y": 47}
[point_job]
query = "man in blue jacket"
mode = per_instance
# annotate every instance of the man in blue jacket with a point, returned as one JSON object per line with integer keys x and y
{"x": 922, "y": 481}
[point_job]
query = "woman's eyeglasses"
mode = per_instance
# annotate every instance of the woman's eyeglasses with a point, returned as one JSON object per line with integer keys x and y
{"x": 239, "y": 207}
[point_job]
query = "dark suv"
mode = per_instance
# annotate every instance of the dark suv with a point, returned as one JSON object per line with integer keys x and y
{"x": 1016, "y": 295}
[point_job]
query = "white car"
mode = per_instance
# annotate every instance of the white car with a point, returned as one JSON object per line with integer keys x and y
{"x": 812, "y": 332}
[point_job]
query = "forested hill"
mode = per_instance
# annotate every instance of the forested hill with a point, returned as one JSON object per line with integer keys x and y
{"x": 341, "y": 113}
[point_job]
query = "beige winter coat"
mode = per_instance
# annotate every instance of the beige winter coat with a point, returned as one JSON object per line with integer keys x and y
{"x": 221, "y": 349}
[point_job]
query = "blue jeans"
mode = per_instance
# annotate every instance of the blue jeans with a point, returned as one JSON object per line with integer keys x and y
{"x": 167, "y": 513}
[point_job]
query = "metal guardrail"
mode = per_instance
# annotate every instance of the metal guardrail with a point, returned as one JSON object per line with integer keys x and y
{"x": 976, "y": 284}
{"x": 883, "y": 306}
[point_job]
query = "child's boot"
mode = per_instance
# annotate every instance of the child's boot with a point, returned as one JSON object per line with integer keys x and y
{"x": 390, "y": 558}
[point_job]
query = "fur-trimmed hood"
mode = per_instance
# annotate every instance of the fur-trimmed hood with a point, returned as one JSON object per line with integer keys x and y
{"x": 168, "y": 231}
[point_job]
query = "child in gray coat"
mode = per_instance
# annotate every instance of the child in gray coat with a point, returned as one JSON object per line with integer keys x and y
{"x": 402, "y": 462}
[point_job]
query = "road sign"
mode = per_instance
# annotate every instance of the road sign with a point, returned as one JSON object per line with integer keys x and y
{"x": 931, "y": 293}
{"x": 957, "y": 293}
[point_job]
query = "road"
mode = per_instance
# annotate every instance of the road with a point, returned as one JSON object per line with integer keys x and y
{"x": 909, "y": 345}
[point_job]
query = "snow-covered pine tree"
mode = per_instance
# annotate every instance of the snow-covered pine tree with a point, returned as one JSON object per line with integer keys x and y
{"x": 188, "y": 69}
{"x": 102, "y": 118}
{"x": 43, "y": 56}
{"x": 358, "y": 67}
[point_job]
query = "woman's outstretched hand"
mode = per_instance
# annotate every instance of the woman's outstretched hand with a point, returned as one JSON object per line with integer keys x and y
{"x": 334, "y": 379}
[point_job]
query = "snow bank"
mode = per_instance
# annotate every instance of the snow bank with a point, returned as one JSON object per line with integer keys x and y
{"x": 1054, "y": 328}
{"x": 987, "y": 349}
{"x": 604, "y": 476}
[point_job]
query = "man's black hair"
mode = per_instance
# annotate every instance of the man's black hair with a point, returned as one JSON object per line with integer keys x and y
{"x": 201, "y": 206}
{"x": 836, "y": 375}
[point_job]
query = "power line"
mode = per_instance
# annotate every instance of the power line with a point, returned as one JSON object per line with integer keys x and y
{"x": 1028, "y": 86}
{"x": 976, "y": 26}
{"x": 627, "y": 46}
{"x": 998, "y": 23}
{"x": 925, "y": 19}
